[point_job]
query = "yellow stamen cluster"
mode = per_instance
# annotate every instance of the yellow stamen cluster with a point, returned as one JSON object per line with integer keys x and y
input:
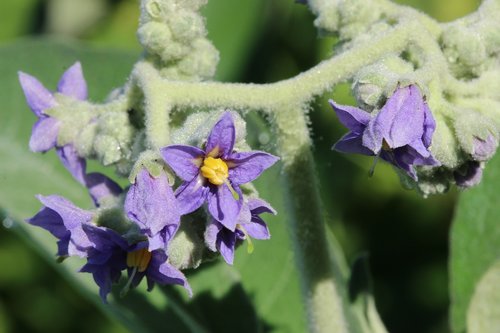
{"x": 215, "y": 170}
{"x": 139, "y": 258}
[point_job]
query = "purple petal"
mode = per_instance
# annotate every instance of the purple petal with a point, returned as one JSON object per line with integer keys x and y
{"x": 161, "y": 272}
{"x": 429, "y": 126}
{"x": 184, "y": 160}
{"x": 73, "y": 162}
{"x": 49, "y": 220}
{"x": 379, "y": 128}
{"x": 247, "y": 166}
{"x": 259, "y": 206}
{"x": 191, "y": 195}
{"x": 351, "y": 117}
{"x": 101, "y": 187}
{"x": 225, "y": 244}
{"x": 420, "y": 148}
{"x": 44, "y": 134}
{"x": 73, "y": 218}
{"x": 161, "y": 239}
{"x": 102, "y": 278}
{"x": 407, "y": 167}
{"x": 37, "y": 96}
{"x": 407, "y": 124}
{"x": 471, "y": 177}
{"x": 223, "y": 206}
{"x": 72, "y": 83}
{"x": 104, "y": 239}
{"x": 150, "y": 203}
{"x": 71, "y": 215}
{"x": 257, "y": 228}
{"x": 352, "y": 143}
{"x": 211, "y": 234}
{"x": 220, "y": 142}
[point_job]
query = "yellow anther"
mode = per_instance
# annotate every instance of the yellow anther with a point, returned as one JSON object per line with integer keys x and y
{"x": 215, "y": 170}
{"x": 139, "y": 258}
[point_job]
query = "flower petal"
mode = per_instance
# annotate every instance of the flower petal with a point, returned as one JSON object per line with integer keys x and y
{"x": 429, "y": 126}
{"x": 259, "y": 206}
{"x": 211, "y": 233}
{"x": 408, "y": 122}
{"x": 257, "y": 228}
{"x": 101, "y": 187}
{"x": 351, "y": 117}
{"x": 352, "y": 143}
{"x": 472, "y": 175}
{"x": 223, "y": 206}
{"x": 191, "y": 195}
{"x": 75, "y": 164}
{"x": 73, "y": 218}
{"x": 380, "y": 126}
{"x": 151, "y": 204}
{"x": 161, "y": 272}
{"x": 49, "y": 220}
{"x": 37, "y": 96}
{"x": 220, "y": 142}
{"x": 226, "y": 243}
{"x": 72, "y": 83}
{"x": 247, "y": 166}
{"x": 71, "y": 215}
{"x": 44, "y": 134}
{"x": 184, "y": 160}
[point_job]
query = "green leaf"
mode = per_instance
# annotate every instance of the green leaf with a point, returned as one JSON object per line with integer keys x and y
{"x": 259, "y": 294}
{"x": 475, "y": 239}
{"x": 484, "y": 313}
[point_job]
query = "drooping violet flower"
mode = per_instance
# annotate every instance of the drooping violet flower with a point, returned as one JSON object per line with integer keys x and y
{"x": 111, "y": 254}
{"x": 64, "y": 220}
{"x": 151, "y": 204}
{"x": 249, "y": 225}
{"x": 46, "y": 129}
{"x": 213, "y": 174}
{"x": 400, "y": 133}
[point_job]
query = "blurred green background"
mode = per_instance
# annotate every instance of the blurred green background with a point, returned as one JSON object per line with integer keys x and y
{"x": 405, "y": 235}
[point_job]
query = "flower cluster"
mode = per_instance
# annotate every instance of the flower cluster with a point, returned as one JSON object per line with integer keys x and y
{"x": 400, "y": 133}
{"x": 131, "y": 229}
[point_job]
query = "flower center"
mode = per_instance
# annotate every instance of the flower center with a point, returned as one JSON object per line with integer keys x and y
{"x": 139, "y": 259}
{"x": 215, "y": 170}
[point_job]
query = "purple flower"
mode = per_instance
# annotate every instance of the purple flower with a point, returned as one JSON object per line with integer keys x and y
{"x": 214, "y": 174}
{"x": 65, "y": 221}
{"x": 151, "y": 204}
{"x": 45, "y": 131}
{"x": 249, "y": 224}
{"x": 111, "y": 254}
{"x": 400, "y": 133}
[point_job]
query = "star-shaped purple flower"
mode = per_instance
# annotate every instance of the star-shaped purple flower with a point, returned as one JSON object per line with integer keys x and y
{"x": 151, "y": 204}
{"x": 45, "y": 131}
{"x": 111, "y": 254}
{"x": 249, "y": 224}
{"x": 215, "y": 173}
{"x": 400, "y": 133}
{"x": 64, "y": 220}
